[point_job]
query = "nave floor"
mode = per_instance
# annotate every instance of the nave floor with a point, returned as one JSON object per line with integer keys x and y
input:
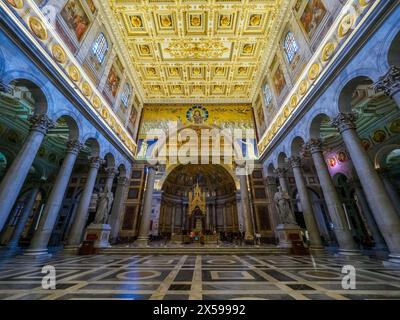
{"x": 162, "y": 277}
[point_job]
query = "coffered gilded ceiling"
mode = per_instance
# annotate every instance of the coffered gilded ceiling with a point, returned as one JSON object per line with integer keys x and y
{"x": 203, "y": 51}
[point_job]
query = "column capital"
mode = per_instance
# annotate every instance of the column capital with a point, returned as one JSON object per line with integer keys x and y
{"x": 345, "y": 121}
{"x": 95, "y": 162}
{"x": 315, "y": 146}
{"x": 111, "y": 172}
{"x": 122, "y": 181}
{"x": 74, "y": 146}
{"x": 41, "y": 123}
{"x": 295, "y": 162}
{"x": 389, "y": 83}
{"x": 281, "y": 172}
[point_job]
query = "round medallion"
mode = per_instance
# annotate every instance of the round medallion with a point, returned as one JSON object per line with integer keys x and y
{"x": 345, "y": 25}
{"x": 286, "y": 111}
{"x": 86, "y": 89}
{"x": 17, "y": 4}
{"x": 74, "y": 73}
{"x": 294, "y": 100}
{"x": 118, "y": 129}
{"x": 104, "y": 113}
{"x": 364, "y": 3}
{"x": 197, "y": 114}
{"x": 303, "y": 87}
{"x": 96, "y": 102}
{"x": 38, "y": 28}
{"x": 314, "y": 71}
{"x": 327, "y": 51}
{"x": 274, "y": 128}
{"x": 59, "y": 54}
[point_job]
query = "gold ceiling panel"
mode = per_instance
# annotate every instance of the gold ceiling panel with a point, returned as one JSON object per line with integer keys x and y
{"x": 203, "y": 50}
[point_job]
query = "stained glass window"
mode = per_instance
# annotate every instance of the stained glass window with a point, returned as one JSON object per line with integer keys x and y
{"x": 126, "y": 94}
{"x": 100, "y": 48}
{"x": 291, "y": 47}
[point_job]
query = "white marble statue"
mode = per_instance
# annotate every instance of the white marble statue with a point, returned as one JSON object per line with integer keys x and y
{"x": 283, "y": 205}
{"x": 104, "y": 206}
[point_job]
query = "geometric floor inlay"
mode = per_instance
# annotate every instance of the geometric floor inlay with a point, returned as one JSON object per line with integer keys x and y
{"x": 207, "y": 277}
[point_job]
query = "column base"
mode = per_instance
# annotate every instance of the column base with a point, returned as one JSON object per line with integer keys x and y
{"x": 37, "y": 254}
{"x": 12, "y": 245}
{"x": 142, "y": 242}
{"x": 349, "y": 252}
{"x": 394, "y": 259}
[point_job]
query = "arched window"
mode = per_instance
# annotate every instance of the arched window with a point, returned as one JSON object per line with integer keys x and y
{"x": 100, "y": 48}
{"x": 291, "y": 47}
{"x": 267, "y": 95}
{"x": 126, "y": 94}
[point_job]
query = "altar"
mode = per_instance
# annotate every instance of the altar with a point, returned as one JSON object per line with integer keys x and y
{"x": 196, "y": 215}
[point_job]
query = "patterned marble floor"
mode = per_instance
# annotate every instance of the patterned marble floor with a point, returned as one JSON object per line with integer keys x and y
{"x": 198, "y": 277}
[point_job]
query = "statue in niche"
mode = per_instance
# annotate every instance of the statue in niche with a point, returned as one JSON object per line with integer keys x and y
{"x": 282, "y": 203}
{"x": 143, "y": 150}
{"x": 104, "y": 206}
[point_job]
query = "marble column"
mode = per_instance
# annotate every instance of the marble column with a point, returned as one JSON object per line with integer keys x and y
{"x": 366, "y": 212}
{"x": 247, "y": 220}
{"x": 117, "y": 210}
{"x": 306, "y": 204}
{"x": 42, "y": 235}
{"x": 390, "y": 188}
{"x": 13, "y": 180}
{"x": 390, "y": 84}
{"x": 207, "y": 217}
{"x": 23, "y": 219}
{"x": 224, "y": 216}
{"x": 76, "y": 233}
{"x": 111, "y": 172}
{"x": 281, "y": 173}
{"x": 341, "y": 228}
{"x": 382, "y": 208}
{"x": 143, "y": 237}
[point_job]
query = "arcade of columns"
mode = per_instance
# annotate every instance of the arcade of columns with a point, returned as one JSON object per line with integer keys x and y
{"x": 16, "y": 175}
{"x": 383, "y": 219}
